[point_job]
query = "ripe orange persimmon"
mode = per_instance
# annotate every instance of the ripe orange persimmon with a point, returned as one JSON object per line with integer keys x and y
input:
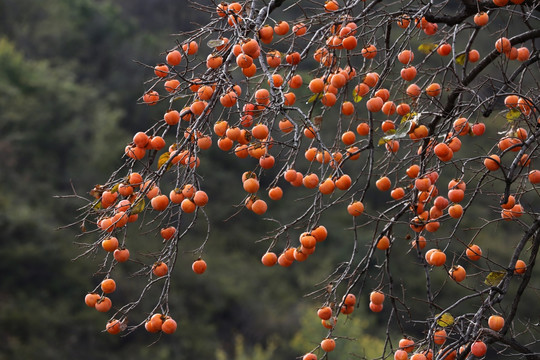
{"x": 520, "y": 267}
{"x": 121, "y": 255}
{"x": 108, "y": 286}
{"x": 433, "y": 89}
{"x": 383, "y": 243}
{"x": 269, "y": 259}
{"x": 199, "y": 266}
{"x": 259, "y": 207}
{"x": 478, "y": 348}
{"x": 406, "y": 345}
{"x": 492, "y": 162}
{"x": 383, "y": 184}
{"x": 356, "y": 208}
{"x": 496, "y": 322}
{"x": 328, "y": 345}
{"x": 473, "y": 252}
{"x": 439, "y": 337}
{"x": 374, "y": 104}
{"x": 103, "y": 304}
{"x": 324, "y": 313}
{"x": 110, "y": 244}
{"x": 481, "y": 19}
{"x": 457, "y": 273}
{"x": 169, "y": 326}
{"x": 369, "y": 52}
{"x": 160, "y": 202}
{"x": 160, "y": 269}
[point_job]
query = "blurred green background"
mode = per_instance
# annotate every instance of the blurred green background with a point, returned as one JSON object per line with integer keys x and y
{"x": 69, "y": 87}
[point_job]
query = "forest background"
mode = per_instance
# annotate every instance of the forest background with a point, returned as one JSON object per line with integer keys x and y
{"x": 70, "y": 78}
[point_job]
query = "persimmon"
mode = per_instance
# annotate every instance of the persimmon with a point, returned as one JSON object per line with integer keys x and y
{"x": 188, "y": 206}
{"x": 383, "y": 184}
{"x": 473, "y": 56}
{"x": 369, "y": 52}
{"x": 281, "y": 28}
{"x": 121, "y": 255}
{"x": 455, "y": 211}
{"x": 328, "y": 345}
{"x": 383, "y": 243}
{"x": 534, "y": 176}
{"x": 161, "y": 70}
{"x": 108, "y": 286}
{"x": 374, "y": 104}
{"x": 114, "y": 326}
{"x": 496, "y": 322}
{"x": 473, "y": 252}
{"x": 403, "y": 109}
{"x": 191, "y": 48}
{"x": 492, "y": 162}
{"x": 388, "y": 108}
{"x": 160, "y": 202}
{"x": 405, "y": 57}
{"x": 324, "y": 313}
{"x": 356, "y": 208}
{"x": 433, "y": 89}
{"x": 406, "y": 345}
{"x": 478, "y": 348}
{"x": 520, "y": 267}
{"x": 437, "y": 258}
{"x": 457, "y": 273}
{"x": 171, "y": 85}
{"x": 328, "y": 99}
{"x": 140, "y": 139}
{"x": 413, "y": 91}
{"x": 420, "y": 243}
{"x": 169, "y": 326}
{"x": 259, "y": 207}
{"x": 110, "y": 244}
{"x": 481, "y": 19}
{"x": 311, "y": 181}
{"x": 269, "y": 259}
{"x": 401, "y": 355}
{"x": 160, "y": 269}
{"x": 523, "y": 54}
{"x": 213, "y": 61}
{"x": 439, "y": 336}
{"x": 91, "y": 299}
{"x": 103, "y": 304}
{"x": 398, "y": 193}
{"x": 327, "y": 187}
{"x": 444, "y": 49}
{"x": 309, "y": 356}
{"x": 503, "y": 45}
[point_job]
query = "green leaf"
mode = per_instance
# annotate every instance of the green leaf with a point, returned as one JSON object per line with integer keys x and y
{"x": 460, "y": 59}
{"x": 315, "y": 97}
{"x": 356, "y": 98}
{"x": 427, "y": 48}
{"x": 163, "y": 159}
{"x": 494, "y": 278}
{"x": 139, "y": 207}
{"x": 445, "y": 320}
{"x": 513, "y": 114}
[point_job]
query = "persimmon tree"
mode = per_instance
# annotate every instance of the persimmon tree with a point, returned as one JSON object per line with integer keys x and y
{"x": 351, "y": 101}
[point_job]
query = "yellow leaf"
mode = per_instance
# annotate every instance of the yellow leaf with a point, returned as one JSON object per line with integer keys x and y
{"x": 427, "y": 48}
{"x": 513, "y": 114}
{"x": 138, "y": 208}
{"x": 445, "y": 320}
{"x": 494, "y": 278}
{"x": 410, "y": 116}
{"x": 115, "y": 188}
{"x": 315, "y": 97}
{"x": 163, "y": 159}
{"x": 97, "y": 205}
{"x": 460, "y": 59}
{"x": 356, "y": 98}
